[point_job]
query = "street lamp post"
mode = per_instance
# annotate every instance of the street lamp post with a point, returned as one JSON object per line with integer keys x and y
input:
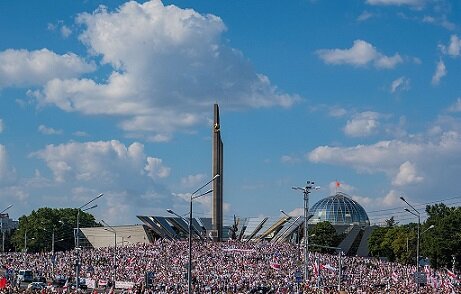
{"x": 306, "y": 191}
{"x": 192, "y": 197}
{"x": 77, "y": 239}
{"x": 25, "y": 241}
{"x": 3, "y": 231}
{"x": 111, "y": 229}
{"x": 422, "y": 234}
{"x": 418, "y": 215}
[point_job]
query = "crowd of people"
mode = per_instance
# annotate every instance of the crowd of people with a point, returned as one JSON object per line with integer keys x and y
{"x": 228, "y": 267}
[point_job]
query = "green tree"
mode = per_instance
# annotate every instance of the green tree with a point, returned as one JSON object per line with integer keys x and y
{"x": 37, "y": 229}
{"x": 323, "y": 234}
{"x": 380, "y": 243}
{"x": 443, "y": 242}
{"x": 391, "y": 222}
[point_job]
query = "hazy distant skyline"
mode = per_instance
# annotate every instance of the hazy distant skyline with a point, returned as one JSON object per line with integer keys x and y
{"x": 117, "y": 98}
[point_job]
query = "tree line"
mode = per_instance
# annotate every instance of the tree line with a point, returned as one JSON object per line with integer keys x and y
{"x": 440, "y": 239}
{"x": 440, "y": 235}
{"x": 45, "y": 227}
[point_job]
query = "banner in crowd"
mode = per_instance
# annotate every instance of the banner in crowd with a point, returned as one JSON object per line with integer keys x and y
{"x": 102, "y": 283}
{"x": 124, "y": 285}
{"x": 90, "y": 283}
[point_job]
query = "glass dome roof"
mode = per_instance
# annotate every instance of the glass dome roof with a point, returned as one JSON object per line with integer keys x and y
{"x": 339, "y": 209}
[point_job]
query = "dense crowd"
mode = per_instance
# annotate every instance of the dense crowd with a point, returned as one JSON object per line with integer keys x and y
{"x": 231, "y": 267}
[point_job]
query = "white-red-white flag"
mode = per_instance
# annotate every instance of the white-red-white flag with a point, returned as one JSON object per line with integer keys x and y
{"x": 316, "y": 268}
{"x": 328, "y": 267}
{"x": 275, "y": 265}
{"x": 395, "y": 277}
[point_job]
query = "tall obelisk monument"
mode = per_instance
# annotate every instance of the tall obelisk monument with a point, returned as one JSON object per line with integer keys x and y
{"x": 217, "y": 153}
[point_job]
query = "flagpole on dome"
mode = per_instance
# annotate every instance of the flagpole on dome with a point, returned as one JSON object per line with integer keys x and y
{"x": 337, "y": 184}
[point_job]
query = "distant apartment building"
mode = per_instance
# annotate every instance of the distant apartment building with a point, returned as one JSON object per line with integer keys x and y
{"x": 6, "y": 223}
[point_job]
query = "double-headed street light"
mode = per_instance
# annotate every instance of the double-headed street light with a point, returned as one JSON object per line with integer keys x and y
{"x": 306, "y": 191}
{"x": 422, "y": 233}
{"x": 111, "y": 229}
{"x": 3, "y": 231}
{"x": 418, "y": 215}
{"x": 192, "y": 197}
{"x": 77, "y": 237}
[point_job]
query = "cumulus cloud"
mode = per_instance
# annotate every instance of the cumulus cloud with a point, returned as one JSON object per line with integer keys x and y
{"x": 335, "y": 186}
{"x": 454, "y": 47}
{"x": 25, "y": 68}
{"x": 155, "y": 168}
{"x": 401, "y": 84}
{"x": 65, "y": 32}
{"x": 406, "y": 175}
{"x": 48, "y": 131}
{"x": 107, "y": 162}
{"x": 414, "y": 3}
{"x": 75, "y": 172}
{"x": 362, "y": 124}
{"x": 440, "y": 72}
{"x": 361, "y": 53}
{"x": 169, "y": 65}
{"x": 401, "y": 160}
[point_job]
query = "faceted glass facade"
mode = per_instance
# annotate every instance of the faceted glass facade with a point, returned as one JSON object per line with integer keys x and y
{"x": 339, "y": 210}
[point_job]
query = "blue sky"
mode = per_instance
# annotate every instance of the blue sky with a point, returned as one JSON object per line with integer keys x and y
{"x": 117, "y": 98}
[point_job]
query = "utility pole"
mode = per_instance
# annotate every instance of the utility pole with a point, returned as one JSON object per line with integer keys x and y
{"x": 418, "y": 215}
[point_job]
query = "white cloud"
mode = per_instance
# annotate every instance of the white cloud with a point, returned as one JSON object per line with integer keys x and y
{"x": 2, "y": 126}
{"x": 391, "y": 199}
{"x": 364, "y": 16}
{"x": 454, "y": 48}
{"x": 80, "y": 134}
{"x": 361, "y": 53}
{"x": 362, "y": 124}
{"x": 380, "y": 156}
{"x": 24, "y": 68}
{"x": 415, "y": 3}
{"x": 439, "y": 73}
{"x": 193, "y": 181}
{"x": 289, "y": 159}
{"x": 441, "y": 21}
{"x": 105, "y": 162}
{"x": 155, "y": 168}
{"x": 406, "y": 175}
{"x": 337, "y": 112}
{"x": 48, "y": 131}
{"x": 169, "y": 66}
{"x": 401, "y": 83}
{"x": 338, "y": 186}
{"x": 65, "y": 32}
{"x": 456, "y": 107}
{"x": 437, "y": 155}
